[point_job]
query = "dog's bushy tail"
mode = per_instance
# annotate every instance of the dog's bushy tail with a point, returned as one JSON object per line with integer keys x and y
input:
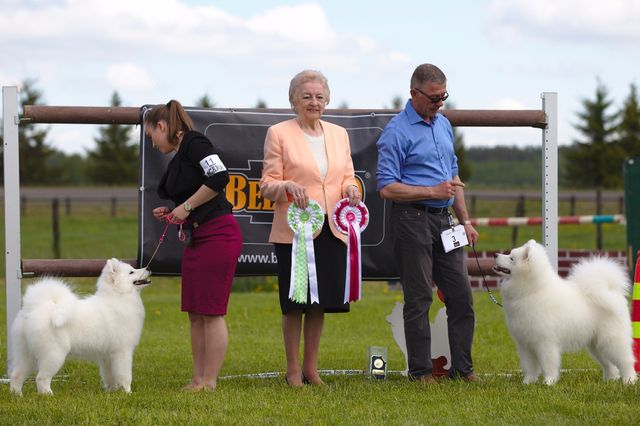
{"x": 601, "y": 278}
{"x": 51, "y": 299}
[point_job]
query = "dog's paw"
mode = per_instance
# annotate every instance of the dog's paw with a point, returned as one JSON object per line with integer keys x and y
{"x": 550, "y": 381}
{"x": 15, "y": 390}
{"x": 529, "y": 380}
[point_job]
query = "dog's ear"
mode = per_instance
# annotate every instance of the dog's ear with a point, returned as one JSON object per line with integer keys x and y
{"x": 111, "y": 264}
{"x": 111, "y": 267}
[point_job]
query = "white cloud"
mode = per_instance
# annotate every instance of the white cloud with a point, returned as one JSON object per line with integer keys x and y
{"x": 71, "y": 138}
{"x": 564, "y": 20}
{"x": 152, "y": 50}
{"x": 508, "y": 103}
{"x": 7, "y": 80}
{"x": 128, "y": 76}
{"x": 172, "y": 26}
{"x": 510, "y": 136}
{"x": 304, "y": 23}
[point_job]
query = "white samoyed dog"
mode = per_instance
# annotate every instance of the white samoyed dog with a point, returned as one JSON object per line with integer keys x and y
{"x": 548, "y": 315}
{"x": 104, "y": 327}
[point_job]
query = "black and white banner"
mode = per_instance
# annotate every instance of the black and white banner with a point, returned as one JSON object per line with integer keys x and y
{"x": 238, "y": 138}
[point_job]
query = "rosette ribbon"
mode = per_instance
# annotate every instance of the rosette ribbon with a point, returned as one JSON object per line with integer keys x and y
{"x": 304, "y": 223}
{"x": 352, "y": 221}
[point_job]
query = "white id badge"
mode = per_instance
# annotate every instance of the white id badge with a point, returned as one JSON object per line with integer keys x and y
{"x": 454, "y": 238}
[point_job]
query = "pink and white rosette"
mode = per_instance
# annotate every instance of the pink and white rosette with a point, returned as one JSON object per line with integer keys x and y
{"x": 352, "y": 221}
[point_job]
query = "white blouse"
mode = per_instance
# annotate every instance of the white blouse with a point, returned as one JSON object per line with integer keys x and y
{"x": 316, "y": 144}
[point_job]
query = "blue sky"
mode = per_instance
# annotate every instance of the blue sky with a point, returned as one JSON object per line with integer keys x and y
{"x": 496, "y": 53}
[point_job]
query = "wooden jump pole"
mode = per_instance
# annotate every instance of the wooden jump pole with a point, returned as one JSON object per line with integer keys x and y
{"x": 92, "y": 267}
{"x": 66, "y": 267}
{"x": 132, "y": 115}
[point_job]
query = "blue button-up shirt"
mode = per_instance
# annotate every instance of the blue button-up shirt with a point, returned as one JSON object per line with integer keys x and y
{"x": 414, "y": 152}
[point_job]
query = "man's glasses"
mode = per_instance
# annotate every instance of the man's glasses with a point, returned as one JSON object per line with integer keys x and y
{"x": 435, "y": 98}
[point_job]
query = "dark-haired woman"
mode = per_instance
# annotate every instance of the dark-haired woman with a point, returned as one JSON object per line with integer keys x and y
{"x": 195, "y": 181}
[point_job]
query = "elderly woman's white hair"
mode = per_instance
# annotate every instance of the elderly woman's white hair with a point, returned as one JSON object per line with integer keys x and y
{"x": 304, "y": 77}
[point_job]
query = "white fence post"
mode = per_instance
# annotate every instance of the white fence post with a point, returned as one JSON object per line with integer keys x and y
{"x": 550, "y": 177}
{"x": 13, "y": 273}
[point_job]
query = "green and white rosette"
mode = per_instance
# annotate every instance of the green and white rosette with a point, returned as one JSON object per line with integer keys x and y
{"x": 304, "y": 223}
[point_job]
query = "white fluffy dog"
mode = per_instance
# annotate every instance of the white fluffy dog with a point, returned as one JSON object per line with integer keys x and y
{"x": 548, "y": 315}
{"x": 104, "y": 327}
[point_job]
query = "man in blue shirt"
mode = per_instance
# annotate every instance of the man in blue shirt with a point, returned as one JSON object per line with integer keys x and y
{"x": 418, "y": 172}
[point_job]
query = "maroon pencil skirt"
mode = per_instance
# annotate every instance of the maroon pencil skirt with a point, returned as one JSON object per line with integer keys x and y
{"x": 209, "y": 264}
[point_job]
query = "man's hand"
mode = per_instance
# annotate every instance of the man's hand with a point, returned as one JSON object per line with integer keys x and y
{"x": 472, "y": 234}
{"x": 446, "y": 190}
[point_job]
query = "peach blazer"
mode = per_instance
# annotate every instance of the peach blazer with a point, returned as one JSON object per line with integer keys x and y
{"x": 287, "y": 157}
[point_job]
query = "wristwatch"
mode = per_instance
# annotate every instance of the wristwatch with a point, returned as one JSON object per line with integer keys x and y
{"x": 187, "y": 207}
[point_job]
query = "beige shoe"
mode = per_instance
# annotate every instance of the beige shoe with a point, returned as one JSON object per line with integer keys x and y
{"x": 292, "y": 383}
{"x": 427, "y": 379}
{"x": 471, "y": 377}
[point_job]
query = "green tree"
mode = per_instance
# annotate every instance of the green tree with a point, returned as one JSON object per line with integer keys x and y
{"x": 397, "y": 102}
{"x": 73, "y": 168}
{"x": 628, "y": 130}
{"x": 595, "y": 161}
{"x": 115, "y": 158}
{"x": 34, "y": 151}
{"x": 205, "y": 102}
{"x": 464, "y": 168}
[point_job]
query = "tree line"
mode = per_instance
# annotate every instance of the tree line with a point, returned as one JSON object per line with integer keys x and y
{"x": 608, "y": 135}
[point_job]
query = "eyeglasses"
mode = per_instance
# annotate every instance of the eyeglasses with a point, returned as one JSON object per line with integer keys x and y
{"x": 435, "y": 98}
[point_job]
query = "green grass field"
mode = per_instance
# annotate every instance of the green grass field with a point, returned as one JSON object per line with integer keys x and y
{"x": 162, "y": 366}
{"x": 162, "y": 360}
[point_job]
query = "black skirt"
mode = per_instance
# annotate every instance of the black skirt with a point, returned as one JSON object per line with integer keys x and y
{"x": 331, "y": 268}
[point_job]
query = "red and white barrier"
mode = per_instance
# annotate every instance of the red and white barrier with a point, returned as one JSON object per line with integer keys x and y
{"x": 562, "y": 220}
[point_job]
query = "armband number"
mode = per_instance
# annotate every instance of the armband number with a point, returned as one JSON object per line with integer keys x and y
{"x": 212, "y": 165}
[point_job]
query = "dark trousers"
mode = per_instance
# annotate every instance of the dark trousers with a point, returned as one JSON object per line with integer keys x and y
{"x": 421, "y": 260}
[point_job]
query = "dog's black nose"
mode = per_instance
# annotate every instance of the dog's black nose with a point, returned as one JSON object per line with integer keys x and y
{"x": 495, "y": 254}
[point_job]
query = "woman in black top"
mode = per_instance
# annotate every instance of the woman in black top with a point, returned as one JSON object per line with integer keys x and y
{"x": 195, "y": 181}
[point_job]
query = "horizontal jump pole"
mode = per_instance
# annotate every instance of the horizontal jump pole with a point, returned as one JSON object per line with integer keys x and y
{"x": 93, "y": 267}
{"x": 562, "y": 220}
{"x": 66, "y": 267}
{"x": 131, "y": 115}
{"x": 81, "y": 115}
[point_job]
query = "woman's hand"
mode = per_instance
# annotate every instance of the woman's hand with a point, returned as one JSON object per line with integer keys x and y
{"x": 353, "y": 194}
{"x": 297, "y": 194}
{"x": 160, "y": 213}
{"x": 178, "y": 214}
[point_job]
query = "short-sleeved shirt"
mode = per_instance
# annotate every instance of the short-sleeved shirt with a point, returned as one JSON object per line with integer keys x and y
{"x": 414, "y": 152}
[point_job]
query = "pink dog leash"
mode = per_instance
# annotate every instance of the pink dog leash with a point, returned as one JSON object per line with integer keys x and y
{"x": 181, "y": 235}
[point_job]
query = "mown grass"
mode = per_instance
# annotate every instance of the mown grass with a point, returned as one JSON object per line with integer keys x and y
{"x": 162, "y": 360}
{"x": 162, "y": 366}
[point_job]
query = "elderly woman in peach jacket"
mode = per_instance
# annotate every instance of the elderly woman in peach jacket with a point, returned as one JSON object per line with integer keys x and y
{"x": 308, "y": 158}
